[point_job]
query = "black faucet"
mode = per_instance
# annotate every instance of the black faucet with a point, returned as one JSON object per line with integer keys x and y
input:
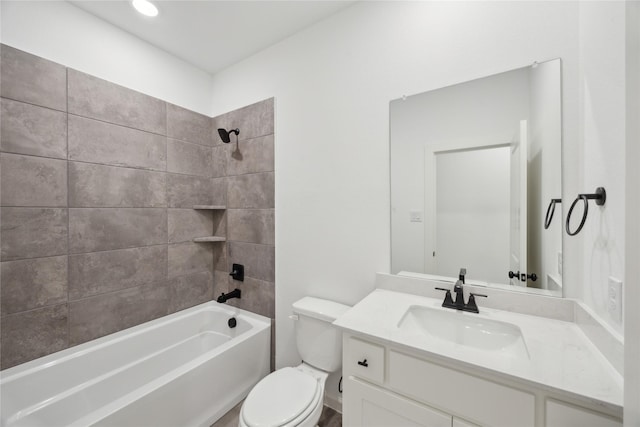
{"x": 463, "y": 272}
{"x": 457, "y": 288}
{"x": 459, "y": 303}
{"x": 233, "y": 294}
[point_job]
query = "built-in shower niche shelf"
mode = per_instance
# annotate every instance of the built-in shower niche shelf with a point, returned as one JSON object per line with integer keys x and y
{"x": 210, "y": 207}
{"x": 209, "y": 239}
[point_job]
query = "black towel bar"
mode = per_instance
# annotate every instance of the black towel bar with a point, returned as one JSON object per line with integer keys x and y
{"x": 550, "y": 210}
{"x": 600, "y": 196}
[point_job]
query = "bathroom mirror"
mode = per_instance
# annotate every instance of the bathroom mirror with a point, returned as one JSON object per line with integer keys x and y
{"x": 474, "y": 167}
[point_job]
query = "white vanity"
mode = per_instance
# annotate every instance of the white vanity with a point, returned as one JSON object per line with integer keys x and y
{"x": 409, "y": 362}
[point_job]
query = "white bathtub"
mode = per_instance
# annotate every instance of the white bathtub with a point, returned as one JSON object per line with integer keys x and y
{"x": 185, "y": 369}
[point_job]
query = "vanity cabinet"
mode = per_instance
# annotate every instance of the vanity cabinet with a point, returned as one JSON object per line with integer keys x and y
{"x": 376, "y": 407}
{"x": 385, "y": 385}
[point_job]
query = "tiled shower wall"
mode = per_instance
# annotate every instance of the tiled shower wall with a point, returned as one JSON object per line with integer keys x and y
{"x": 250, "y": 208}
{"x": 98, "y": 184}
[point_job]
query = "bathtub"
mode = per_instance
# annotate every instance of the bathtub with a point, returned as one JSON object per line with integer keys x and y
{"x": 185, "y": 369}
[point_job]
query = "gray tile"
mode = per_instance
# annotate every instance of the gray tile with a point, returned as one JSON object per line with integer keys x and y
{"x": 252, "y": 156}
{"x": 93, "y": 185}
{"x": 33, "y": 181}
{"x": 32, "y": 79}
{"x": 187, "y": 291}
{"x": 29, "y": 129}
{"x": 99, "y": 142}
{"x": 188, "y": 158}
{"x": 101, "y": 272}
{"x": 254, "y": 191}
{"x": 185, "y": 224}
{"x": 257, "y": 296}
{"x": 188, "y": 125}
{"x": 99, "y": 99}
{"x": 32, "y": 334}
{"x": 220, "y": 257}
{"x": 251, "y": 225}
{"x": 258, "y": 260}
{"x": 219, "y": 160}
{"x": 33, "y": 283}
{"x": 185, "y": 191}
{"x": 101, "y": 229}
{"x": 253, "y": 120}
{"x": 190, "y": 258}
{"x": 33, "y": 233}
{"x": 221, "y": 281}
{"x": 101, "y": 315}
{"x": 220, "y": 223}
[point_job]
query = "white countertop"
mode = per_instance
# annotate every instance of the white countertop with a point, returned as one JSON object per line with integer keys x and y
{"x": 561, "y": 358}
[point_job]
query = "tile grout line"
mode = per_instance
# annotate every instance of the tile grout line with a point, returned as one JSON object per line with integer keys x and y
{"x": 137, "y": 168}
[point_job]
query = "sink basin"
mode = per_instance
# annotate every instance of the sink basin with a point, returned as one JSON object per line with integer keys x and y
{"x": 465, "y": 329}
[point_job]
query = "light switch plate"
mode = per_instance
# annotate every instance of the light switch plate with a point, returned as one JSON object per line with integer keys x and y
{"x": 415, "y": 216}
{"x": 614, "y": 299}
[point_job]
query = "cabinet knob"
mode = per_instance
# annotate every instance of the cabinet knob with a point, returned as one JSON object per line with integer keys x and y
{"x": 363, "y": 363}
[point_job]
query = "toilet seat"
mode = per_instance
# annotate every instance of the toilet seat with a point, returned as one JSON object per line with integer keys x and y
{"x": 283, "y": 398}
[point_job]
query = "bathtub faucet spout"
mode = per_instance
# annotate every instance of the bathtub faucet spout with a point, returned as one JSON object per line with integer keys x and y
{"x": 233, "y": 294}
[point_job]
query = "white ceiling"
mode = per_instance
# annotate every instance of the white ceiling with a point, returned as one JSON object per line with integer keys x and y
{"x": 213, "y": 35}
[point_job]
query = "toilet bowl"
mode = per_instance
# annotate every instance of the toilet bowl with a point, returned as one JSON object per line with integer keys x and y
{"x": 286, "y": 397}
{"x": 294, "y": 396}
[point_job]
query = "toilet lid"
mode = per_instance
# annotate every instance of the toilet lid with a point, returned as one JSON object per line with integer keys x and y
{"x": 279, "y": 398}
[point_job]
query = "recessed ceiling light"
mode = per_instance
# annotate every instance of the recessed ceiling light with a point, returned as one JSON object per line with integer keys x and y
{"x": 145, "y": 7}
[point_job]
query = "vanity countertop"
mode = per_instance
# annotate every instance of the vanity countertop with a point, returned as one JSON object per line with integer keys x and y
{"x": 560, "y": 357}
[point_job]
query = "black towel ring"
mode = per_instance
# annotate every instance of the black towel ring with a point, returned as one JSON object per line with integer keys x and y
{"x": 600, "y": 196}
{"x": 550, "y": 210}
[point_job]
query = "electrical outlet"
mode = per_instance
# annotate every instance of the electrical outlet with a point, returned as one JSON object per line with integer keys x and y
{"x": 415, "y": 216}
{"x": 614, "y": 303}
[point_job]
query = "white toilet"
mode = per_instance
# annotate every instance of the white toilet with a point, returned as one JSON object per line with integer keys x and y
{"x": 295, "y": 396}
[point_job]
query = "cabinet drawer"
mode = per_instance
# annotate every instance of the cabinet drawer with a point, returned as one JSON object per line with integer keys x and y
{"x": 481, "y": 400}
{"x": 365, "y": 360}
{"x": 560, "y": 414}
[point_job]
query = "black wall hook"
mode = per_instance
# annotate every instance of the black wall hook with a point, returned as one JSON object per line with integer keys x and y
{"x": 600, "y": 196}
{"x": 550, "y": 210}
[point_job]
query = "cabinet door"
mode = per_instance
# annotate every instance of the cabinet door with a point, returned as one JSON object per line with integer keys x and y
{"x": 369, "y": 406}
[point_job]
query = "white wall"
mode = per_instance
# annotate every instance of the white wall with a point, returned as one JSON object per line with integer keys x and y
{"x": 602, "y": 149}
{"x": 65, "y": 34}
{"x": 333, "y": 83}
{"x": 632, "y": 242}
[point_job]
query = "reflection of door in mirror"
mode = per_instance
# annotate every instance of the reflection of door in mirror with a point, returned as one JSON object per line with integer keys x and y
{"x": 518, "y": 209}
{"x": 472, "y": 212}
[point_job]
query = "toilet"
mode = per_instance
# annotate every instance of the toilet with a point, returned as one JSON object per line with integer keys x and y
{"x": 295, "y": 396}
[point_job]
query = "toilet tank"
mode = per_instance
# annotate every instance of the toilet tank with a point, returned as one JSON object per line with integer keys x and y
{"x": 319, "y": 342}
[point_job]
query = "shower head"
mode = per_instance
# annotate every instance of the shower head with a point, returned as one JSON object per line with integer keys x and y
{"x": 224, "y": 134}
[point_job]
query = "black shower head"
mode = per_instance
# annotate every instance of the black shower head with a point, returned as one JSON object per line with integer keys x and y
{"x": 224, "y": 134}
